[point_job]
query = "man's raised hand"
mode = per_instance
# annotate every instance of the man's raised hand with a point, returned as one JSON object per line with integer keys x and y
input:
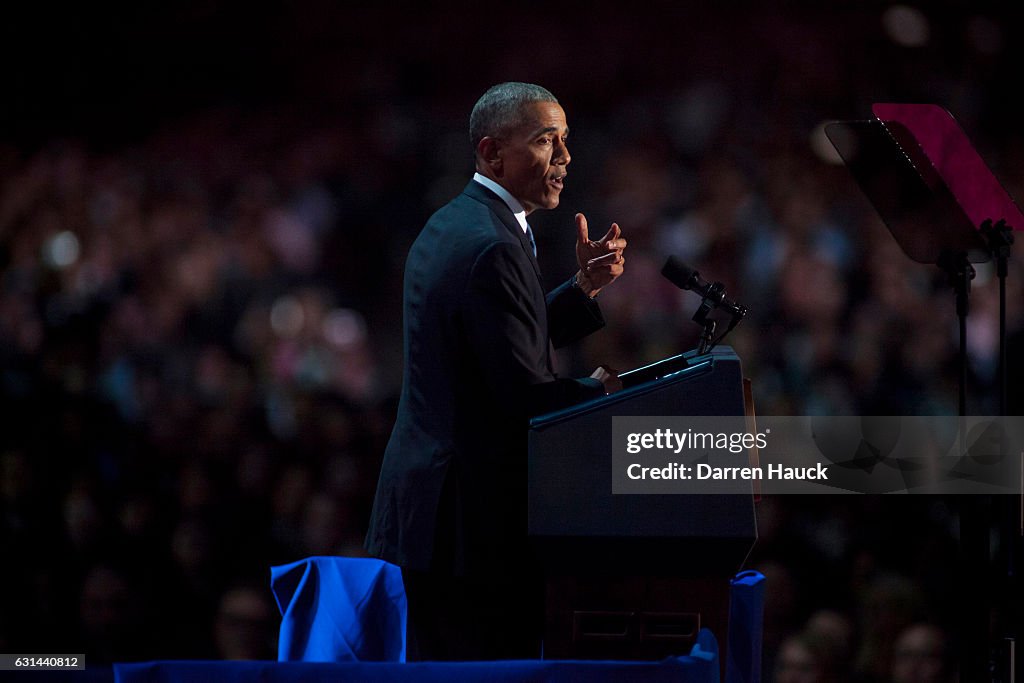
{"x": 600, "y": 262}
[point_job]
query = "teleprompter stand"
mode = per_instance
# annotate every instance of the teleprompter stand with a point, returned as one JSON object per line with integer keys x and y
{"x": 957, "y": 166}
{"x": 635, "y": 576}
{"x": 943, "y": 206}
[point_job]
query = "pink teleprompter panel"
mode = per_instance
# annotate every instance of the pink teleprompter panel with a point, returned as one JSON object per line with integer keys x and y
{"x": 966, "y": 174}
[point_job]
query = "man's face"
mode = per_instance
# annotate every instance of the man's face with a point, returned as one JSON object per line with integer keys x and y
{"x": 533, "y": 157}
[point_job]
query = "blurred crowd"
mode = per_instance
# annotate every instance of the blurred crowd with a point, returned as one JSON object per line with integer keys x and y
{"x": 200, "y": 327}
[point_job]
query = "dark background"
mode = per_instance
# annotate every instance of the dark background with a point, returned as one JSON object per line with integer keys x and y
{"x": 204, "y": 214}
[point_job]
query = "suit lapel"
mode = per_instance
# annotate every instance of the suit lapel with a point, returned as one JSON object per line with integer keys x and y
{"x": 501, "y": 210}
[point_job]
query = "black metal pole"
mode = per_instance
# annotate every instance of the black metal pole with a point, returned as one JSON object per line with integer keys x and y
{"x": 960, "y": 272}
{"x": 974, "y": 551}
{"x": 999, "y": 237}
{"x": 1002, "y": 340}
{"x": 1010, "y": 514}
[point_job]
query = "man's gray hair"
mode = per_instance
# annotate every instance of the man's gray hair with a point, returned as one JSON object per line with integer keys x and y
{"x": 500, "y": 109}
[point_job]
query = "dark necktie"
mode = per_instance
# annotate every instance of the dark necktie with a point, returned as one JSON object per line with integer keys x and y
{"x": 529, "y": 236}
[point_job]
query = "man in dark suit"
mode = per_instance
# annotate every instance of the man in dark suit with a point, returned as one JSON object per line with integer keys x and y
{"x": 450, "y": 507}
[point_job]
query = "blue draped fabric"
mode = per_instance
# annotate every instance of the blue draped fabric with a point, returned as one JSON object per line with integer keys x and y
{"x": 746, "y": 622}
{"x": 337, "y": 609}
{"x": 352, "y": 611}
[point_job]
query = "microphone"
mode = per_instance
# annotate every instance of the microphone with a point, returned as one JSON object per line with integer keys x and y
{"x": 685, "y": 277}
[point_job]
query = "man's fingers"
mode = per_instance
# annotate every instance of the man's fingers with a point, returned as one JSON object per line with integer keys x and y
{"x": 611, "y": 271}
{"x": 603, "y": 274}
{"x": 609, "y": 258}
{"x": 582, "y": 235}
{"x": 613, "y": 233}
{"x": 616, "y": 244}
{"x": 609, "y": 378}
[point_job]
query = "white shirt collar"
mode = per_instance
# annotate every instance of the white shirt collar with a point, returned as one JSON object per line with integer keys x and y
{"x": 513, "y": 204}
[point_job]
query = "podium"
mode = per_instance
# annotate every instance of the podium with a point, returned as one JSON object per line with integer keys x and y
{"x": 634, "y": 576}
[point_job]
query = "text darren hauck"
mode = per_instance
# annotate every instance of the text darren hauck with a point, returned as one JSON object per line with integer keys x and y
{"x": 703, "y": 471}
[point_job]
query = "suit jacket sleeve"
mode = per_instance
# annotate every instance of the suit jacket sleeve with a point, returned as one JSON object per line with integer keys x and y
{"x": 572, "y": 314}
{"x": 506, "y": 324}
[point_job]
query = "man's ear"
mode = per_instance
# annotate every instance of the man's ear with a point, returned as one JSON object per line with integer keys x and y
{"x": 488, "y": 152}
